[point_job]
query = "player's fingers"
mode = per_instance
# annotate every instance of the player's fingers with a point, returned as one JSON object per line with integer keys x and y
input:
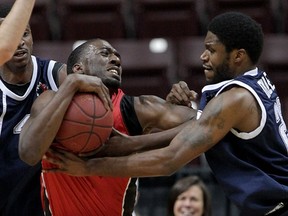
{"x": 184, "y": 91}
{"x": 177, "y": 96}
{"x": 105, "y": 98}
{"x": 173, "y": 96}
{"x": 108, "y": 97}
{"x": 55, "y": 161}
{"x": 61, "y": 154}
{"x": 54, "y": 170}
{"x": 194, "y": 95}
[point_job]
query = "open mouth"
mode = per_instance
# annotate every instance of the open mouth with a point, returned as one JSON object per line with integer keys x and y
{"x": 114, "y": 72}
{"x": 207, "y": 67}
{"x": 20, "y": 53}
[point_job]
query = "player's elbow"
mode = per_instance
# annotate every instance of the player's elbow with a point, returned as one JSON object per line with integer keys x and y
{"x": 28, "y": 158}
{"x": 165, "y": 172}
{"x": 167, "y": 168}
{"x": 27, "y": 155}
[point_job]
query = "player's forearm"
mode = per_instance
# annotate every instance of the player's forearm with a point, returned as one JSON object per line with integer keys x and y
{"x": 157, "y": 140}
{"x": 13, "y": 27}
{"x": 122, "y": 146}
{"x": 136, "y": 165}
{"x": 40, "y": 130}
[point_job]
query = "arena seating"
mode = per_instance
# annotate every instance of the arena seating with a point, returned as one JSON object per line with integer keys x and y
{"x": 189, "y": 63}
{"x": 40, "y": 22}
{"x": 58, "y": 51}
{"x": 260, "y": 10}
{"x": 274, "y": 60}
{"x": 88, "y": 19}
{"x": 165, "y": 18}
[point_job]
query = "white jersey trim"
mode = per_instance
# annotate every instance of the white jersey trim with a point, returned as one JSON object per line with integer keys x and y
{"x": 257, "y": 131}
{"x": 11, "y": 94}
{"x": 50, "y": 75}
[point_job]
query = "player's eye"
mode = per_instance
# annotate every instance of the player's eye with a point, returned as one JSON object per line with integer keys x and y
{"x": 26, "y": 34}
{"x": 104, "y": 53}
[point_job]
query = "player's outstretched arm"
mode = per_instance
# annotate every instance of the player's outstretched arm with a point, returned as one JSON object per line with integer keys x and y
{"x": 121, "y": 144}
{"x": 13, "y": 27}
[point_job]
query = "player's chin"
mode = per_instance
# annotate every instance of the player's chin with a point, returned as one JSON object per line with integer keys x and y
{"x": 112, "y": 83}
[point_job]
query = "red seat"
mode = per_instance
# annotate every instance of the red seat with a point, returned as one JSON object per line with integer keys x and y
{"x": 189, "y": 64}
{"x": 285, "y": 4}
{"x": 40, "y": 22}
{"x": 274, "y": 61}
{"x": 166, "y": 18}
{"x": 56, "y": 50}
{"x": 87, "y": 19}
{"x": 260, "y": 10}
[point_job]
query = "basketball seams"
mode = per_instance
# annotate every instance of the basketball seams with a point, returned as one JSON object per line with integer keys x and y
{"x": 86, "y": 124}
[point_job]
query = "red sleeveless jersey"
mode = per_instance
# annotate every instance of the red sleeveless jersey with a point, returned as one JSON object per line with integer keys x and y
{"x": 89, "y": 195}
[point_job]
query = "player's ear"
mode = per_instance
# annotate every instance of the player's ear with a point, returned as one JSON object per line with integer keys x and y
{"x": 78, "y": 68}
{"x": 239, "y": 55}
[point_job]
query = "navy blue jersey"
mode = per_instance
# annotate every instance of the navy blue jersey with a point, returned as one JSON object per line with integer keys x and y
{"x": 20, "y": 183}
{"x": 252, "y": 167}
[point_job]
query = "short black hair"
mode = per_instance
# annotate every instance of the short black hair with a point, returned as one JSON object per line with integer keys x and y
{"x": 75, "y": 56}
{"x": 238, "y": 31}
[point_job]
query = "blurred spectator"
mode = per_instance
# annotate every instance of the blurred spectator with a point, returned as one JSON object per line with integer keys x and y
{"x": 189, "y": 195}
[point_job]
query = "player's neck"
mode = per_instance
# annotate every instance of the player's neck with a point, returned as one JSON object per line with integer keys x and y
{"x": 16, "y": 77}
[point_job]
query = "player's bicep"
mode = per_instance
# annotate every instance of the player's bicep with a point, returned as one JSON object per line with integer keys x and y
{"x": 154, "y": 112}
{"x": 41, "y": 102}
{"x": 226, "y": 111}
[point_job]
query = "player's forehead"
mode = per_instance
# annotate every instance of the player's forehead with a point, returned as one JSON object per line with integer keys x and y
{"x": 100, "y": 44}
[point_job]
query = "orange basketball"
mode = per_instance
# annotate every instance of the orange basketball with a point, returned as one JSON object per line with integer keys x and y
{"x": 86, "y": 124}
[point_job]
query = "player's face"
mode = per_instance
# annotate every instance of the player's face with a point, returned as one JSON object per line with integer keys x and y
{"x": 104, "y": 62}
{"x": 190, "y": 202}
{"x": 216, "y": 60}
{"x": 22, "y": 55}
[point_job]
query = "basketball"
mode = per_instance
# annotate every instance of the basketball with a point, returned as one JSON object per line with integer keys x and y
{"x": 86, "y": 124}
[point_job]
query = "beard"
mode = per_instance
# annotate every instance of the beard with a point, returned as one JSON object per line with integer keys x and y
{"x": 112, "y": 83}
{"x": 222, "y": 73}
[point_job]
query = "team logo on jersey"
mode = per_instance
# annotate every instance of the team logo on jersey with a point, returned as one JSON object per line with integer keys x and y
{"x": 41, "y": 87}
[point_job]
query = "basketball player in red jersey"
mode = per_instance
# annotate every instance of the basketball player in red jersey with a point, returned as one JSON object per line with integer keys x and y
{"x": 93, "y": 195}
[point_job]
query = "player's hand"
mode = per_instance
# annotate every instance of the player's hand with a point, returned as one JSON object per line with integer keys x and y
{"x": 181, "y": 94}
{"x": 66, "y": 162}
{"x": 88, "y": 83}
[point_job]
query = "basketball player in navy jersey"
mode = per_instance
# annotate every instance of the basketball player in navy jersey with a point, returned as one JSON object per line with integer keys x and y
{"x": 22, "y": 79}
{"x": 239, "y": 127}
{"x": 93, "y": 195}
{"x": 12, "y": 28}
